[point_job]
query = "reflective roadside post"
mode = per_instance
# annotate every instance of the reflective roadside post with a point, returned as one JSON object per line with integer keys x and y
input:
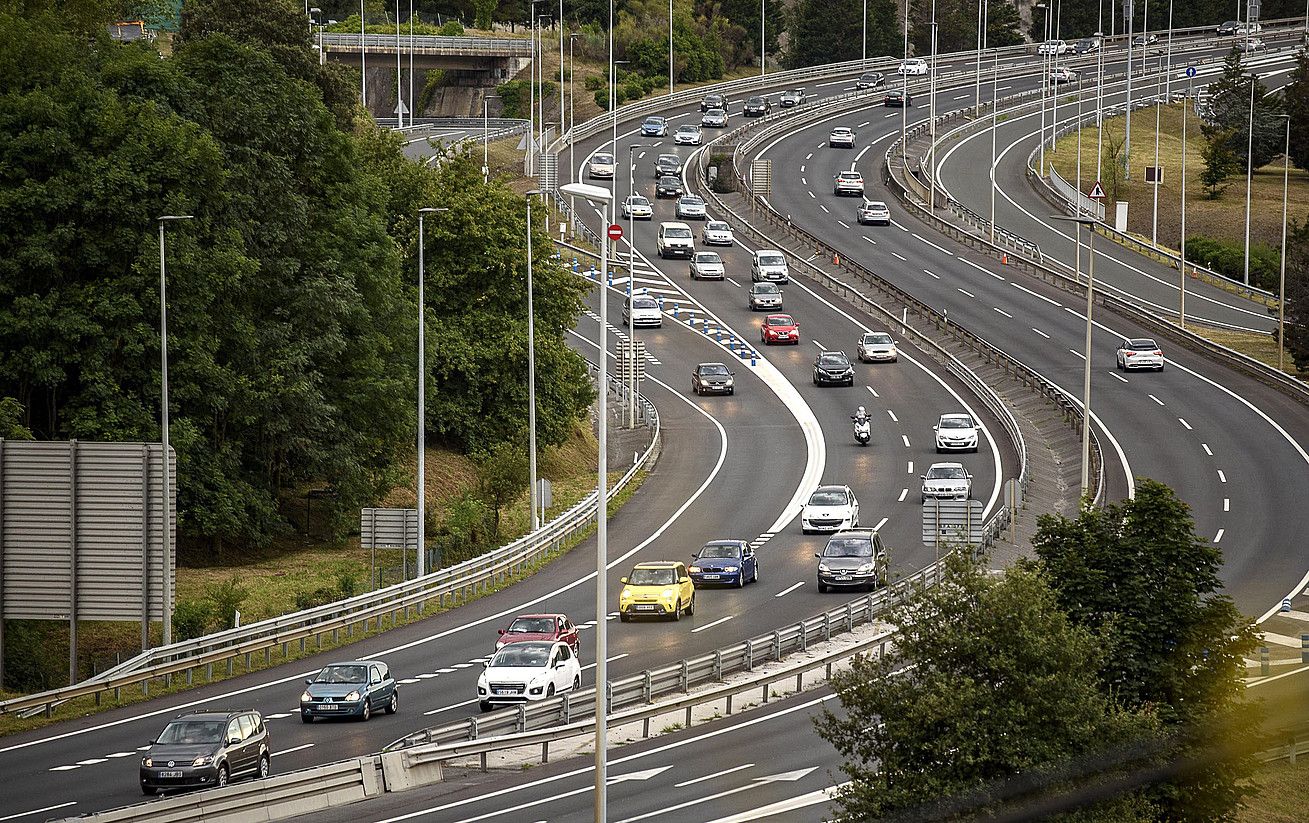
{"x": 605, "y": 198}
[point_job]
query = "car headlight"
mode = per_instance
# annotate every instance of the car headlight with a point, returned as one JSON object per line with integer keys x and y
{"x": 694, "y": 570}
{"x": 667, "y": 594}
{"x": 866, "y": 568}
{"x": 202, "y": 760}
{"x": 306, "y": 697}
{"x": 626, "y": 594}
{"x": 147, "y": 762}
{"x": 352, "y": 696}
{"x": 822, "y": 567}
{"x": 731, "y": 569}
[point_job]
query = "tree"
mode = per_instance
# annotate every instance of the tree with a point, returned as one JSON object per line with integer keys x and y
{"x": 1229, "y": 115}
{"x": 11, "y": 415}
{"x": 1003, "y": 25}
{"x": 1136, "y": 573}
{"x": 1001, "y": 689}
{"x": 826, "y": 32}
{"x": 957, "y": 25}
{"x": 1297, "y": 296}
{"x": 1295, "y": 102}
{"x": 1219, "y": 163}
{"x": 501, "y": 477}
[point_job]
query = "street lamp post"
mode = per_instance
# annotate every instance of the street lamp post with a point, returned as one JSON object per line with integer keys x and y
{"x": 422, "y": 394}
{"x": 531, "y": 371}
{"x": 605, "y": 198}
{"x": 931, "y": 119}
{"x": 399, "y": 77}
{"x": 486, "y": 137}
{"x": 411, "y": 61}
{"x": 863, "y": 54}
{"x": 1249, "y": 174}
{"x": 995, "y": 109}
{"x": 670, "y": 48}
{"x": 983, "y": 11}
{"x": 1181, "y": 307}
{"x": 572, "y": 169}
{"x": 631, "y": 291}
{"x": 904, "y": 110}
{"x": 1045, "y": 77}
{"x": 1281, "y": 278}
{"x": 363, "y": 61}
{"x": 762, "y": 38}
{"x": 1168, "y": 89}
{"x": 1089, "y": 222}
{"x": 166, "y": 529}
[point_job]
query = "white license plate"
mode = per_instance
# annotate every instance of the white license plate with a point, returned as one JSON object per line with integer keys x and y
{"x": 170, "y": 774}
{"x": 843, "y": 577}
{"x": 328, "y": 707}
{"x": 711, "y": 576}
{"x": 503, "y": 691}
{"x": 645, "y": 608}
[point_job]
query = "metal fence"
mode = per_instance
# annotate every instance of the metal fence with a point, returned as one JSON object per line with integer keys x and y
{"x": 489, "y": 46}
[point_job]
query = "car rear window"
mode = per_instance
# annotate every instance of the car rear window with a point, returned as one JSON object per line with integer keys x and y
{"x": 1144, "y": 345}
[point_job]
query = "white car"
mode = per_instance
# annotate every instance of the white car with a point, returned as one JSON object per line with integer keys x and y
{"x": 716, "y": 233}
{"x": 675, "y": 240}
{"x": 690, "y": 207}
{"x": 601, "y": 166}
{"x": 1249, "y": 28}
{"x": 1063, "y": 74}
{"x": 956, "y": 432}
{"x": 1139, "y": 353}
{"x": 770, "y": 265}
{"x": 687, "y": 135}
{"x": 527, "y": 671}
{"x": 912, "y": 67}
{"x": 841, "y": 136}
{"x": 947, "y": 481}
{"x": 1052, "y": 47}
{"x": 830, "y": 509}
{"x": 642, "y": 310}
{"x": 848, "y": 182}
{"x": 873, "y": 211}
{"x": 875, "y": 346}
{"x": 707, "y": 265}
{"x": 637, "y": 207}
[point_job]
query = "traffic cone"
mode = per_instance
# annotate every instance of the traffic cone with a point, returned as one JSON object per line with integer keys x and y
{"x": 1004, "y": 259}
{"x": 836, "y": 259}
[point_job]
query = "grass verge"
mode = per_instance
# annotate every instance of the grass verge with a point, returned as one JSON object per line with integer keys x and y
{"x": 1281, "y": 794}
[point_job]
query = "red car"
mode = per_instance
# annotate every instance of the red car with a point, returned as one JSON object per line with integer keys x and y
{"x": 540, "y": 627}
{"x": 779, "y": 328}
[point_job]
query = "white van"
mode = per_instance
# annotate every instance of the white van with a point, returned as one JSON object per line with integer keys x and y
{"x": 769, "y": 265}
{"x": 675, "y": 240}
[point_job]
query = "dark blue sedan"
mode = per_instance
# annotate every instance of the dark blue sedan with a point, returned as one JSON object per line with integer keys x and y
{"x": 728, "y": 562}
{"x": 355, "y": 688}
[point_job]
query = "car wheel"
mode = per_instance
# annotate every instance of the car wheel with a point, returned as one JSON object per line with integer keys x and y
{"x": 822, "y": 587}
{"x": 550, "y": 690}
{"x": 677, "y": 610}
{"x": 755, "y": 579}
{"x": 740, "y": 579}
{"x": 690, "y": 607}
{"x": 624, "y": 618}
{"x": 367, "y": 711}
{"x": 393, "y": 705}
{"x": 577, "y": 682}
{"x": 221, "y": 780}
{"x": 483, "y": 705}
{"x": 265, "y": 766}
{"x": 694, "y": 390}
{"x": 306, "y": 718}
{"x": 895, "y": 359}
{"x": 938, "y": 449}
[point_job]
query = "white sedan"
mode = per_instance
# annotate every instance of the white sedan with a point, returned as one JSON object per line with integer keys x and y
{"x": 830, "y": 509}
{"x": 687, "y": 135}
{"x": 707, "y": 265}
{"x": 717, "y": 233}
{"x": 527, "y": 671}
{"x": 841, "y": 136}
{"x": 947, "y": 481}
{"x": 912, "y": 67}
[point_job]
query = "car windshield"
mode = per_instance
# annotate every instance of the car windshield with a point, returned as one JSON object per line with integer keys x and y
{"x": 720, "y": 550}
{"x": 521, "y": 655}
{"x": 716, "y": 226}
{"x": 849, "y": 547}
{"x": 869, "y": 76}
{"x": 654, "y": 121}
{"x": 833, "y": 360}
{"x": 677, "y": 232}
{"x": 687, "y": 129}
{"x": 716, "y": 113}
{"x": 645, "y": 303}
{"x": 828, "y": 497}
{"x": 713, "y": 368}
{"x": 713, "y": 99}
{"x": 707, "y": 257}
{"x": 192, "y": 732}
{"x": 691, "y": 200}
{"x": 947, "y": 473}
{"x": 524, "y": 625}
{"x": 880, "y": 339}
{"x": 668, "y": 160}
{"x": 669, "y": 180}
{"x": 779, "y": 320}
{"x": 342, "y": 674}
{"x": 755, "y": 101}
{"x": 766, "y": 288}
{"x": 1144, "y": 345}
{"x": 771, "y": 260}
{"x": 652, "y": 577}
{"x": 956, "y": 422}
{"x": 638, "y": 200}
{"x": 603, "y": 160}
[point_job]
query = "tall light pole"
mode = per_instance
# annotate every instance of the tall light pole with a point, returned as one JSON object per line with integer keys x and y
{"x": 1168, "y": 98}
{"x": 605, "y": 198}
{"x": 363, "y": 62}
{"x": 166, "y": 529}
{"x": 572, "y": 168}
{"x": 613, "y": 102}
{"x": 422, "y": 394}
{"x": 531, "y": 370}
{"x": 763, "y": 38}
{"x": 1054, "y": 87}
{"x": 1186, "y": 107}
{"x": 561, "y": 68}
{"x": 1249, "y": 174}
{"x": 399, "y": 87}
{"x": 1129, "y": 12}
{"x": 904, "y": 110}
{"x": 411, "y": 61}
{"x": 983, "y": 9}
{"x": 863, "y": 55}
{"x": 1045, "y": 77}
{"x": 670, "y": 48}
{"x": 931, "y": 119}
{"x": 531, "y": 92}
{"x": 1281, "y": 278}
{"x": 1086, "y": 353}
{"x": 486, "y": 137}
{"x": 995, "y": 109}
{"x": 1099, "y": 97}
{"x": 631, "y": 292}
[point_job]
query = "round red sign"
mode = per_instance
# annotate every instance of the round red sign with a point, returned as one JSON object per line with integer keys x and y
{"x": 615, "y": 232}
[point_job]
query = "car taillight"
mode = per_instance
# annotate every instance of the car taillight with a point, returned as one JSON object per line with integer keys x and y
{"x": 1131, "y": 354}
{"x": 1158, "y": 353}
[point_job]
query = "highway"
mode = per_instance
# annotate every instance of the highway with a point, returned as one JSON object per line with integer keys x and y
{"x": 737, "y": 466}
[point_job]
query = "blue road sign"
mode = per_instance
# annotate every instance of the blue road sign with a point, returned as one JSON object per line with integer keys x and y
{"x": 1190, "y": 71}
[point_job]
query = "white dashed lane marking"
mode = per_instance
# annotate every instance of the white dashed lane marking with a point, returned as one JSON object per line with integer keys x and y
{"x": 1155, "y": 399}
{"x": 1043, "y": 334}
{"x": 1205, "y": 446}
{"x": 1222, "y": 478}
{"x": 903, "y": 494}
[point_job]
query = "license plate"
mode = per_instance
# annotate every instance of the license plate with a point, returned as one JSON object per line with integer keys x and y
{"x": 170, "y": 774}
{"x": 502, "y": 691}
{"x": 843, "y": 577}
{"x": 711, "y": 577}
{"x": 642, "y": 608}
{"x": 328, "y": 707}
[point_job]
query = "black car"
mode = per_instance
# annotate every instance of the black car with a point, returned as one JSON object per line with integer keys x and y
{"x": 667, "y": 164}
{"x": 852, "y": 558}
{"x": 757, "y": 106}
{"x": 355, "y": 688}
{"x": 205, "y": 749}
{"x": 1229, "y": 28}
{"x": 898, "y": 98}
{"x": 832, "y": 368}
{"x": 712, "y": 377}
{"x": 669, "y": 186}
{"x": 870, "y": 80}
{"x": 713, "y": 101}
{"x": 1086, "y": 45}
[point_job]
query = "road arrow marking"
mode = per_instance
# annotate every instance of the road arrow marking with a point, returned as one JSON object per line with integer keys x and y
{"x": 644, "y": 775}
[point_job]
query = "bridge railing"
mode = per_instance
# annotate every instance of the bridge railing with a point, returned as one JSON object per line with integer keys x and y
{"x": 488, "y": 46}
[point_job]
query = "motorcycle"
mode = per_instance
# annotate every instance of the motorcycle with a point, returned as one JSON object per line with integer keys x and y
{"x": 863, "y": 430}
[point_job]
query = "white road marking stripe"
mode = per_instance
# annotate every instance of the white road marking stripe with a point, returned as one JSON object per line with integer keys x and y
{"x": 1185, "y": 424}
{"x": 811, "y": 194}
{"x": 121, "y": 754}
{"x": 881, "y": 523}
{"x": 898, "y": 256}
{"x": 1155, "y": 399}
{"x": 1227, "y": 504}
{"x": 893, "y": 417}
{"x": 1206, "y": 449}
{"x": 712, "y": 776}
{"x": 91, "y": 761}
{"x": 803, "y": 180}
{"x": 842, "y": 224}
{"x": 872, "y": 391}
{"x": 1222, "y": 478}
{"x": 277, "y": 716}
{"x": 462, "y": 665}
{"x": 903, "y": 494}
{"x": 1043, "y": 334}
{"x": 711, "y": 625}
{"x": 428, "y": 675}
{"x": 911, "y": 467}
{"x": 933, "y": 274}
{"x": 905, "y": 438}
{"x": 63, "y": 768}
{"x": 824, "y": 208}
{"x": 38, "y": 811}
{"x": 1078, "y": 354}
{"x": 408, "y": 681}
{"x": 1005, "y": 313}
{"x": 1219, "y": 536}
{"x": 802, "y": 167}
{"x": 293, "y": 749}
{"x": 789, "y": 589}
{"x": 1117, "y": 376}
{"x": 870, "y": 240}
{"x": 930, "y": 243}
{"x": 962, "y": 291}
{"x": 1055, "y": 303}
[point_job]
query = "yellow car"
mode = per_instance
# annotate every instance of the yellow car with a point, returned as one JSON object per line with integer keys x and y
{"x": 660, "y": 588}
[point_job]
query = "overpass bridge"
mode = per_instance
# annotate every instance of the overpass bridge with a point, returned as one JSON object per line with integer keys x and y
{"x": 499, "y": 56}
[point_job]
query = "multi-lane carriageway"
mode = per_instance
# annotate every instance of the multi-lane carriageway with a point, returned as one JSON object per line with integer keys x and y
{"x": 738, "y": 466}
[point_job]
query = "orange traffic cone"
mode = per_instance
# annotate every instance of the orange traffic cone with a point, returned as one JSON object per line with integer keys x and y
{"x": 836, "y": 259}
{"x": 1004, "y": 259}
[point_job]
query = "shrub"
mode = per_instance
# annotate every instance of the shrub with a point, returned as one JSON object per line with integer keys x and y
{"x": 1227, "y": 257}
{"x": 227, "y": 597}
{"x": 593, "y": 82}
{"x": 347, "y": 584}
{"x": 191, "y": 619}
{"x": 452, "y": 29}
{"x": 318, "y": 597}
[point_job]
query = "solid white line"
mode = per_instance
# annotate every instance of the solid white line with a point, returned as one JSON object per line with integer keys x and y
{"x": 1043, "y": 334}
{"x": 893, "y": 417}
{"x": 881, "y": 523}
{"x": 818, "y": 344}
{"x": 899, "y": 256}
{"x": 38, "y": 811}
{"x": 903, "y": 494}
{"x": 1205, "y": 446}
{"x": 1038, "y": 296}
{"x": 930, "y": 243}
{"x": 1182, "y": 420}
{"x": 1218, "y": 536}
{"x": 92, "y": 761}
{"x": 1117, "y": 376}
{"x": 63, "y": 768}
{"x": 121, "y": 754}
{"x": 1005, "y": 313}
{"x": 712, "y": 776}
{"x": 905, "y": 438}
{"x": 459, "y": 705}
{"x": 711, "y": 625}
{"x": 789, "y": 589}
{"x": 293, "y": 749}
{"x": 1222, "y": 478}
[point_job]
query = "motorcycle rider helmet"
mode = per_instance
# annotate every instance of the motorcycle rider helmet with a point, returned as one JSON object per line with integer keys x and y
{"x": 859, "y": 412}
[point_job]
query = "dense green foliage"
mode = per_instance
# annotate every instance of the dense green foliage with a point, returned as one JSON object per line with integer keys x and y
{"x": 1230, "y": 141}
{"x": 292, "y": 322}
{"x": 957, "y": 24}
{"x": 823, "y": 32}
{"x": 1228, "y": 257}
{"x": 1297, "y": 297}
{"x": 1295, "y": 102}
{"x": 1072, "y": 19}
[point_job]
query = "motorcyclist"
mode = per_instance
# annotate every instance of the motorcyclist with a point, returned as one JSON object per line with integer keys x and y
{"x": 859, "y": 414}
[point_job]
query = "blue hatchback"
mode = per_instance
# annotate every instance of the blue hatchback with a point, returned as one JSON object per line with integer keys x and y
{"x": 727, "y": 562}
{"x": 355, "y": 688}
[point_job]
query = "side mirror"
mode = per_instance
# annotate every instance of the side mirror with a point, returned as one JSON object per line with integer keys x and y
{"x": 922, "y": 477}
{"x": 936, "y": 428}
{"x": 622, "y": 580}
{"x": 233, "y": 741}
{"x": 731, "y": 374}
{"x": 309, "y": 681}
{"x": 818, "y": 554}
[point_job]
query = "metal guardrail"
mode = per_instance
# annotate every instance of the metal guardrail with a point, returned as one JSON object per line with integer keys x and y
{"x": 489, "y": 46}
{"x": 447, "y": 587}
{"x": 641, "y": 689}
{"x": 478, "y": 129}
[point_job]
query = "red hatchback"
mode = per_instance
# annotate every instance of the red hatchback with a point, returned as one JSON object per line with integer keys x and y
{"x": 540, "y": 627}
{"x": 779, "y": 328}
